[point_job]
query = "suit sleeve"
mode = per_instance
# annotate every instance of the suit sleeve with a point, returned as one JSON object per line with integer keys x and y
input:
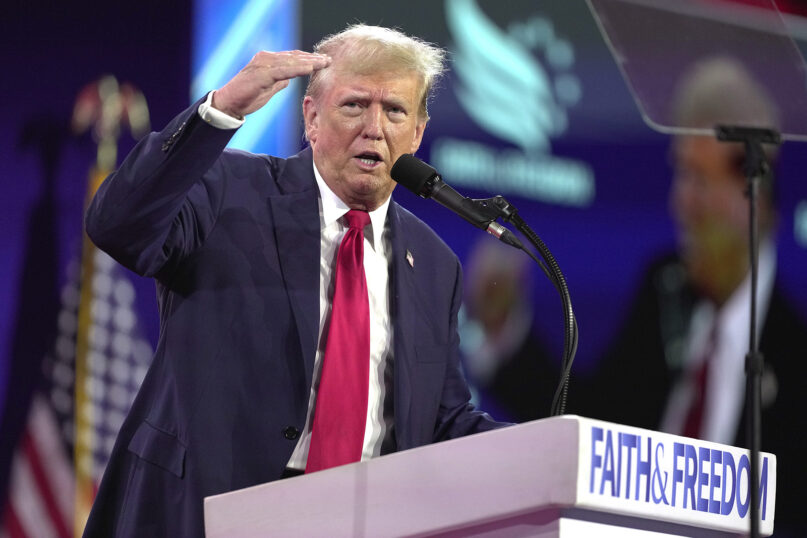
{"x": 162, "y": 201}
{"x": 457, "y": 416}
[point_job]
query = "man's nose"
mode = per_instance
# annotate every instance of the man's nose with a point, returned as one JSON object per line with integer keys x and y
{"x": 373, "y": 122}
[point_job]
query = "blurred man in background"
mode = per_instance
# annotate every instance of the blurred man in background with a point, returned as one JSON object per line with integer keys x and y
{"x": 678, "y": 363}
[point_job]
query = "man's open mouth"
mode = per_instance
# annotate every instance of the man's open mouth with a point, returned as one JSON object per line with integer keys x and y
{"x": 369, "y": 158}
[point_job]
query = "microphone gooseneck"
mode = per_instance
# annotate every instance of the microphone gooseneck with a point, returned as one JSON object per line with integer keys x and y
{"x": 424, "y": 181}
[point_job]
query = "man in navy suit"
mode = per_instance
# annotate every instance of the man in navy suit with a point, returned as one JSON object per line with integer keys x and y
{"x": 242, "y": 248}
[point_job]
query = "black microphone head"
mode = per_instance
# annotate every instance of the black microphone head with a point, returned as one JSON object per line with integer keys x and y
{"x": 413, "y": 174}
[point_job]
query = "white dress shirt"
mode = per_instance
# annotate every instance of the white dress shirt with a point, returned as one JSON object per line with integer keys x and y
{"x": 215, "y": 117}
{"x": 725, "y": 389}
{"x": 377, "y": 259}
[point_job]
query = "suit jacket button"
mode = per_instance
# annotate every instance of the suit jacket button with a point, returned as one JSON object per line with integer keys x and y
{"x": 291, "y": 433}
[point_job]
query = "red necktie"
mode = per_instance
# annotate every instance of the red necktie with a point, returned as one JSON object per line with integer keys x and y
{"x": 340, "y": 415}
{"x": 700, "y": 378}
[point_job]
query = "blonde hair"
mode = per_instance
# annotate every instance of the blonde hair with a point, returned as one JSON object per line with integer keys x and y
{"x": 364, "y": 49}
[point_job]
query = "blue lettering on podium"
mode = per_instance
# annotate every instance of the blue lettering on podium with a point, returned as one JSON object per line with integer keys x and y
{"x": 743, "y": 465}
{"x": 763, "y": 487}
{"x": 596, "y": 459}
{"x": 715, "y": 459}
{"x": 691, "y": 475}
{"x": 703, "y": 479}
{"x": 628, "y": 441}
{"x": 608, "y": 464}
{"x": 706, "y": 480}
{"x": 728, "y": 465}
{"x": 678, "y": 474}
{"x": 657, "y": 478}
{"x": 643, "y": 467}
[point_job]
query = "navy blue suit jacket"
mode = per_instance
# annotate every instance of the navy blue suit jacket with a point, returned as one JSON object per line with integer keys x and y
{"x": 232, "y": 240}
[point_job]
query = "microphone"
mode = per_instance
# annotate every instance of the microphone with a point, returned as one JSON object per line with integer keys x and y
{"x": 424, "y": 181}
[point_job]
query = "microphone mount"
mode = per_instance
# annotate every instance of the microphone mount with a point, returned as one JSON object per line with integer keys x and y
{"x": 480, "y": 212}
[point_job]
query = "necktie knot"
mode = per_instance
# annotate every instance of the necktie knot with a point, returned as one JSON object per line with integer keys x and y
{"x": 357, "y": 219}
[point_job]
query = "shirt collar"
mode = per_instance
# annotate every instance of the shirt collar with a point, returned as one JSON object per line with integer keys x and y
{"x": 736, "y": 310}
{"x": 333, "y": 208}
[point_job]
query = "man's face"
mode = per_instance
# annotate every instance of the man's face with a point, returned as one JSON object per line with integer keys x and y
{"x": 711, "y": 212}
{"x": 358, "y": 127}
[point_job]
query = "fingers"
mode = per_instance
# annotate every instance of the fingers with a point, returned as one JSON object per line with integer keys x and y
{"x": 265, "y": 75}
{"x": 290, "y": 64}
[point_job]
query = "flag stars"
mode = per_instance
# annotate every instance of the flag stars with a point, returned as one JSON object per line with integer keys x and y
{"x": 124, "y": 319}
{"x": 101, "y": 285}
{"x": 100, "y": 311}
{"x": 67, "y": 322}
{"x": 116, "y": 363}
{"x": 124, "y": 292}
{"x": 99, "y": 337}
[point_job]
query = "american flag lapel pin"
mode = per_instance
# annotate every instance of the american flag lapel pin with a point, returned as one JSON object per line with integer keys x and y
{"x": 410, "y": 258}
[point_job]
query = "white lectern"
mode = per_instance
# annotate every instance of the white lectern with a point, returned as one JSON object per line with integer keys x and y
{"x": 558, "y": 477}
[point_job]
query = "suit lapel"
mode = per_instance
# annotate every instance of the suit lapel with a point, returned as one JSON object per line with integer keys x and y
{"x": 297, "y": 233}
{"x": 404, "y": 312}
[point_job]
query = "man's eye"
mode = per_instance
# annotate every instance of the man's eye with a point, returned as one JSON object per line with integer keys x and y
{"x": 396, "y": 113}
{"x": 351, "y": 108}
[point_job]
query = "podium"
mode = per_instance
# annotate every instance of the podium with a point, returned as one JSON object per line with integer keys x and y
{"x": 558, "y": 477}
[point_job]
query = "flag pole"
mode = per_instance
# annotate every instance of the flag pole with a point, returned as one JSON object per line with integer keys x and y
{"x": 105, "y": 106}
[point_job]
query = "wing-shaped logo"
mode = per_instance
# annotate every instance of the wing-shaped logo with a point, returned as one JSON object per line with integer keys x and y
{"x": 501, "y": 85}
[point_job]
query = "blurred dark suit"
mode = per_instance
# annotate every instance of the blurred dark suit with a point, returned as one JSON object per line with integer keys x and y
{"x": 637, "y": 374}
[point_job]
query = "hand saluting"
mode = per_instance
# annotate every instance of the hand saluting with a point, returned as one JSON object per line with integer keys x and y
{"x": 265, "y": 75}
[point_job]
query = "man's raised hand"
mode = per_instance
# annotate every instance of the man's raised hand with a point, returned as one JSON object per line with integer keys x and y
{"x": 265, "y": 75}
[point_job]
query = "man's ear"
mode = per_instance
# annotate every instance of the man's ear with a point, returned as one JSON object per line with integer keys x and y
{"x": 419, "y": 130}
{"x": 310, "y": 118}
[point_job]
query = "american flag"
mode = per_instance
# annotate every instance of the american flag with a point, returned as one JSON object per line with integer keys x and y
{"x": 67, "y": 401}
{"x": 69, "y": 433}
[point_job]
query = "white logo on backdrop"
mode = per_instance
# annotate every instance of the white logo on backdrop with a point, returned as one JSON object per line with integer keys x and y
{"x": 508, "y": 92}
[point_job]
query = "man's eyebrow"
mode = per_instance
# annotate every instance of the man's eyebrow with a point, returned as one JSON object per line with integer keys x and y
{"x": 396, "y": 101}
{"x": 356, "y": 93}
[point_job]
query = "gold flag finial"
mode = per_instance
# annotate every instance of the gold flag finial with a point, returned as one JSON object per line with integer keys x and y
{"x": 105, "y": 107}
